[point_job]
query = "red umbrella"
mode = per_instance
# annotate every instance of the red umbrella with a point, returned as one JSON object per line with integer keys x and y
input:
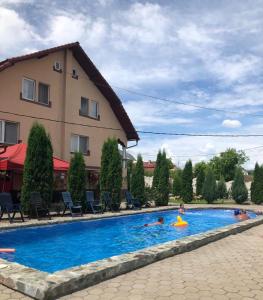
{"x": 14, "y": 158}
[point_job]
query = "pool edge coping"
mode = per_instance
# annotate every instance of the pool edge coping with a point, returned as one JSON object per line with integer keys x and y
{"x": 43, "y": 286}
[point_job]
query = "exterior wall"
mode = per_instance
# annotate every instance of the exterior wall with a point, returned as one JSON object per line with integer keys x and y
{"x": 65, "y": 97}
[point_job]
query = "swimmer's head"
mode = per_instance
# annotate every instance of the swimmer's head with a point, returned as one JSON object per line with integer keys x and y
{"x": 161, "y": 220}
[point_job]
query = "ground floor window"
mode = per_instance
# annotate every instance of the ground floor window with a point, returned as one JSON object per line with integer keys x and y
{"x": 79, "y": 143}
{"x": 8, "y": 132}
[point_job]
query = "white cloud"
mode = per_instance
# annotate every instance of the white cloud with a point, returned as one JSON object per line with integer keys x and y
{"x": 15, "y": 33}
{"x": 231, "y": 123}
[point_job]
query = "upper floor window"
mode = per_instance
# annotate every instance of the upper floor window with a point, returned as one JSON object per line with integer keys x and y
{"x": 57, "y": 66}
{"x": 43, "y": 93}
{"x": 79, "y": 143}
{"x": 89, "y": 108}
{"x": 75, "y": 73}
{"x": 94, "y": 109}
{"x": 28, "y": 89}
{"x": 8, "y": 132}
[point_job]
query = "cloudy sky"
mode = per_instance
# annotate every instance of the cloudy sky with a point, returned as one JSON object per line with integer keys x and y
{"x": 201, "y": 52}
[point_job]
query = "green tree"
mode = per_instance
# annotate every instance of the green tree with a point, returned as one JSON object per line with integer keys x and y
{"x": 239, "y": 190}
{"x": 187, "y": 182}
{"x": 137, "y": 181}
{"x": 77, "y": 179}
{"x": 111, "y": 172}
{"x": 177, "y": 182}
{"x": 200, "y": 178}
{"x": 163, "y": 182}
{"x": 156, "y": 173}
{"x": 200, "y": 166}
{"x": 38, "y": 167}
{"x": 257, "y": 185}
{"x": 209, "y": 186}
{"x": 226, "y": 163}
{"x": 129, "y": 173}
{"x": 221, "y": 188}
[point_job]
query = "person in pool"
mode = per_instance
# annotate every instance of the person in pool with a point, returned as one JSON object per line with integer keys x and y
{"x": 181, "y": 209}
{"x": 159, "y": 222}
{"x": 241, "y": 214}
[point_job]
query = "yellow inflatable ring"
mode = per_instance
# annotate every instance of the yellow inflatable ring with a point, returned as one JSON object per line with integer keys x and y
{"x": 180, "y": 222}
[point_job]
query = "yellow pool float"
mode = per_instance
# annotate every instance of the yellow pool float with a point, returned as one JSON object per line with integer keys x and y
{"x": 180, "y": 222}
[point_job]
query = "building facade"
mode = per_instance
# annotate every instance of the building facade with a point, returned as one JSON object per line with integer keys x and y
{"x": 63, "y": 90}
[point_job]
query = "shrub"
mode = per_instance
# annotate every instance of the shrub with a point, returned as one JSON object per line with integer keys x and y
{"x": 163, "y": 184}
{"x": 137, "y": 181}
{"x": 200, "y": 178}
{"x": 239, "y": 190}
{"x": 156, "y": 173}
{"x": 221, "y": 189}
{"x": 177, "y": 183}
{"x": 209, "y": 186}
{"x": 38, "y": 169}
{"x": 77, "y": 179}
{"x": 187, "y": 182}
{"x": 257, "y": 185}
{"x": 111, "y": 171}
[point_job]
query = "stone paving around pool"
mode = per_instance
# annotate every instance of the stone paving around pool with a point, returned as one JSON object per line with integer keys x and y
{"x": 227, "y": 262}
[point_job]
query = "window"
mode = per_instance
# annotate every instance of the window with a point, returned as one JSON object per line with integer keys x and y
{"x": 8, "y": 132}
{"x": 79, "y": 143}
{"x": 43, "y": 93}
{"x": 75, "y": 73}
{"x": 57, "y": 67}
{"x": 94, "y": 109}
{"x": 28, "y": 89}
{"x": 84, "y": 106}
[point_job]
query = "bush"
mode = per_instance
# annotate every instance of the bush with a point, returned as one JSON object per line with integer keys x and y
{"x": 177, "y": 183}
{"x": 257, "y": 185}
{"x": 77, "y": 179}
{"x": 239, "y": 190}
{"x": 111, "y": 171}
{"x": 38, "y": 169}
{"x": 187, "y": 182}
{"x": 221, "y": 189}
{"x": 137, "y": 181}
{"x": 209, "y": 186}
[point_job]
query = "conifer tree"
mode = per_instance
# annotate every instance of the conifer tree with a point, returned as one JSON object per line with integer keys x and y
{"x": 77, "y": 179}
{"x": 129, "y": 173}
{"x": 105, "y": 164}
{"x": 38, "y": 167}
{"x": 209, "y": 187}
{"x": 187, "y": 182}
{"x": 239, "y": 190}
{"x": 221, "y": 188}
{"x": 137, "y": 181}
{"x": 177, "y": 183}
{"x": 257, "y": 185}
{"x": 163, "y": 184}
{"x": 200, "y": 178}
{"x": 156, "y": 173}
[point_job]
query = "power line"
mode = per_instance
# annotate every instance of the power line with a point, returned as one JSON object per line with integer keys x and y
{"x": 138, "y": 131}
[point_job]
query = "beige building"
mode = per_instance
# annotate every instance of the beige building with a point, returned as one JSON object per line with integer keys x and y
{"x": 62, "y": 89}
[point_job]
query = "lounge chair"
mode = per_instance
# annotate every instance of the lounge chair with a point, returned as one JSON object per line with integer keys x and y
{"x": 107, "y": 201}
{"x": 93, "y": 205}
{"x": 9, "y": 207}
{"x": 131, "y": 202}
{"x": 38, "y": 206}
{"x": 68, "y": 204}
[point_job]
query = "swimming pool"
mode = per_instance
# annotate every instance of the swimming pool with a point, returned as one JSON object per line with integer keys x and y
{"x": 57, "y": 247}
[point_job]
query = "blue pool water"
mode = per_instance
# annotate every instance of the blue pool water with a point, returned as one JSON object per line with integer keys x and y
{"x": 57, "y": 247}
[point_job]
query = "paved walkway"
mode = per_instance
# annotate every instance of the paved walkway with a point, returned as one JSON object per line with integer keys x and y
{"x": 231, "y": 268}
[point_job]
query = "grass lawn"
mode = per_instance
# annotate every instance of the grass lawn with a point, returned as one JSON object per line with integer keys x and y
{"x": 174, "y": 200}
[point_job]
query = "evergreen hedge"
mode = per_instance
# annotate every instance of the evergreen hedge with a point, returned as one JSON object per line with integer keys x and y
{"x": 200, "y": 178}
{"x": 187, "y": 182}
{"x": 209, "y": 187}
{"x": 77, "y": 179}
{"x": 163, "y": 182}
{"x": 221, "y": 188}
{"x": 156, "y": 173}
{"x": 257, "y": 185}
{"x": 137, "y": 181}
{"x": 38, "y": 168}
{"x": 111, "y": 172}
{"x": 177, "y": 183}
{"x": 239, "y": 190}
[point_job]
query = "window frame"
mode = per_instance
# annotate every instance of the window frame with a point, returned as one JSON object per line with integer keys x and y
{"x": 3, "y": 122}
{"x": 48, "y": 102}
{"x": 97, "y": 109}
{"x": 78, "y": 146}
{"x": 34, "y": 89}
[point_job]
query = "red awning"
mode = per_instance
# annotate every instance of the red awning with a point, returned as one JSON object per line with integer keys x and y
{"x": 14, "y": 157}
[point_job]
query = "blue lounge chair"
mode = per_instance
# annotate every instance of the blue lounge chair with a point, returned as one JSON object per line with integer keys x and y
{"x": 38, "y": 207}
{"x": 107, "y": 201}
{"x": 131, "y": 202}
{"x": 93, "y": 205}
{"x": 75, "y": 210}
{"x": 9, "y": 207}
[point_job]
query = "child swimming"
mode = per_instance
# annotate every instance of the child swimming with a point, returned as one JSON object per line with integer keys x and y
{"x": 159, "y": 222}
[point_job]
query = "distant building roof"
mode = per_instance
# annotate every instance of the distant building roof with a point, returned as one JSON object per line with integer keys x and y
{"x": 149, "y": 165}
